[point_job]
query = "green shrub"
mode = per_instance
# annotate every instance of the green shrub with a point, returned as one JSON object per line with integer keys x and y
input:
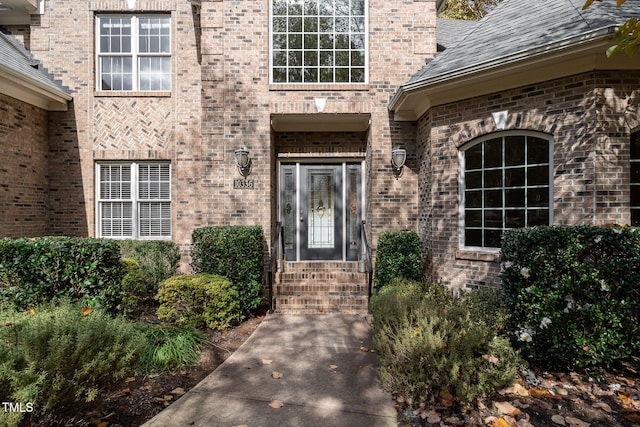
{"x": 158, "y": 260}
{"x": 199, "y": 300}
{"x": 45, "y": 269}
{"x": 488, "y": 307}
{"x": 573, "y": 293}
{"x": 399, "y": 255}
{"x": 132, "y": 286}
{"x": 169, "y": 349}
{"x": 235, "y": 252}
{"x": 429, "y": 343}
{"x": 57, "y": 356}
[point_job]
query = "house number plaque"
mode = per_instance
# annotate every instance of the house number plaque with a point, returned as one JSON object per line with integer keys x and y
{"x": 243, "y": 183}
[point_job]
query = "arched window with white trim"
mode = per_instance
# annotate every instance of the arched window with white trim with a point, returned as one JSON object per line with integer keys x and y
{"x": 505, "y": 182}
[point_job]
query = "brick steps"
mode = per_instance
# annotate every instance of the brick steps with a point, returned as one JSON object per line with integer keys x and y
{"x": 319, "y": 287}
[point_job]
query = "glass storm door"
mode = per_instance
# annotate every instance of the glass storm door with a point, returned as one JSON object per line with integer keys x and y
{"x": 320, "y": 210}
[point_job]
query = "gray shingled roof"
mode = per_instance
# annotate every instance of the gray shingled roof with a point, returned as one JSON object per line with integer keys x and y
{"x": 449, "y": 32}
{"x": 517, "y": 26}
{"x": 15, "y": 57}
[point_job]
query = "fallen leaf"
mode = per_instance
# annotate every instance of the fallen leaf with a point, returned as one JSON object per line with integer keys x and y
{"x": 491, "y": 358}
{"x": 627, "y": 381}
{"x": 179, "y": 391}
{"x": 561, "y": 391}
{"x": 129, "y": 379}
{"x": 99, "y": 423}
{"x": 123, "y": 392}
{"x": 446, "y": 398}
{"x": 266, "y": 361}
{"x": 365, "y": 349}
{"x": 558, "y": 419}
{"x": 506, "y": 408}
{"x": 276, "y": 375}
{"x": 432, "y": 417}
{"x": 276, "y": 404}
{"x": 8, "y": 324}
{"x": 634, "y": 417}
{"x": 534, "y": 392}
{"x": 242, "y": 425}
{"x": 146, "y": 387}
{"x": 86, "y": 311}
{"x": 32, "y": 312}
{"x": 500, "y": 422}
{"x": 576, "y": 422}
{"x": 603, "y": 406}
{"x": 333, "y": 366}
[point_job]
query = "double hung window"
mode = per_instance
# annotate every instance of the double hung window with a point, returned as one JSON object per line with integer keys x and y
{"x": 133, "y": 52}
{"x": 505, "y": 183}
{"x": 318, "y": 41}
{"x": 635, "y": 179}
{"x": 134, "y": 200}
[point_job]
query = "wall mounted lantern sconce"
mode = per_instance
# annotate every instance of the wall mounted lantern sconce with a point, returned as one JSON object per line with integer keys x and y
{"x": 398, "y": 159}
{"x": 243, "y": 161}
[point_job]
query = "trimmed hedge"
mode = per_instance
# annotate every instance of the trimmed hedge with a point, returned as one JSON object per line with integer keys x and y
{"x": 399, "y": 255}
{"x": 574, "y": 294}
{"x": 33, "y": 271}
{"x": 199, "y": 300}
{"x": 235, "y": 252}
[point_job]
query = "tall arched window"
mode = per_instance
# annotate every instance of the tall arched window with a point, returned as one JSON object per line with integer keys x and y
{"x": 505, "y": 183}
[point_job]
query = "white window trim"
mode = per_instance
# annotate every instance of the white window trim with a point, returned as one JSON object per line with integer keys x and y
{"x": 366, "y": 53}
{"x": 135, "y": 53}
{"x": 461, "y": 181}
{"x": 135, "y": 200}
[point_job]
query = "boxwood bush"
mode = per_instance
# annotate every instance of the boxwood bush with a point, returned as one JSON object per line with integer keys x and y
{"x": 199, "y": 300}
{"x": 43, "y": 269}
{"x": 574, "y": 294}
{"x": 235, "y": 252}
{"x": 399, "y": 255}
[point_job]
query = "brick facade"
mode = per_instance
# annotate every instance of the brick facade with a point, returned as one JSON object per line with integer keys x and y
{"x": 221, "y": 100}
{"x": 24, "y": 179}
{"x": 589, "y": 118}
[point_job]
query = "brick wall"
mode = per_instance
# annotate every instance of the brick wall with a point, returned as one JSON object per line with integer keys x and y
{"x": 589, "y": 117}
{"x": 23, "y": 169}
{"x": 220, "y": 100}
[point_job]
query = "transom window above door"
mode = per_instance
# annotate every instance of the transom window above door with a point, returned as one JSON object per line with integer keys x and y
{"x": 318, "y": 41}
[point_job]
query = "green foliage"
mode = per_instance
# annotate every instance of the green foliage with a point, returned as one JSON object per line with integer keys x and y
{"x": 236, "y": 252}
{"x": 33, "y": 271}
{"x": 169, "y": 349}
{"x": 399, "y": 255}
{"x": 468, "y": 9}
{"x": 57, "y": 356}
{"x": 488, "y": 307}
{"x": 133, "y": 286}
{"x": 627, "y": 37}
{"x": 573, "y": 294}
{"x": 428, "y": 342}
{"x": 158, "y": 260}
{"x": 199, "y": 300}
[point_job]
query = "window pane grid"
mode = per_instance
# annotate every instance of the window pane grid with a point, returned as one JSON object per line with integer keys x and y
{"x": 318, "y": 41}
{"x": 134, "y": 194}
{"x": 499, "y": 197}
{"x": 134, "y": 53}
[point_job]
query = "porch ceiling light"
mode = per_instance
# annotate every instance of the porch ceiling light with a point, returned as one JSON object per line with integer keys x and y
{"x": 243, "y": 161}
{"x": 398, "y": 159}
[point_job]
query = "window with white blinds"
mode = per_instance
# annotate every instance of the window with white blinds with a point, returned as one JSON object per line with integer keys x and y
{"x": 134, "y": 200}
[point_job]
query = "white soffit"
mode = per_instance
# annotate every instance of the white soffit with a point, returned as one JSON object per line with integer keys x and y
{"x": 321, "y": 122}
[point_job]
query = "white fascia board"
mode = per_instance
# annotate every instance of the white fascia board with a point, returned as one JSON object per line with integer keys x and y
{"x": 31, "y": 91}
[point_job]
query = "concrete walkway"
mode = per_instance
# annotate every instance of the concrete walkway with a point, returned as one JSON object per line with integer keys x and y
{"x": 326, "y": 379}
